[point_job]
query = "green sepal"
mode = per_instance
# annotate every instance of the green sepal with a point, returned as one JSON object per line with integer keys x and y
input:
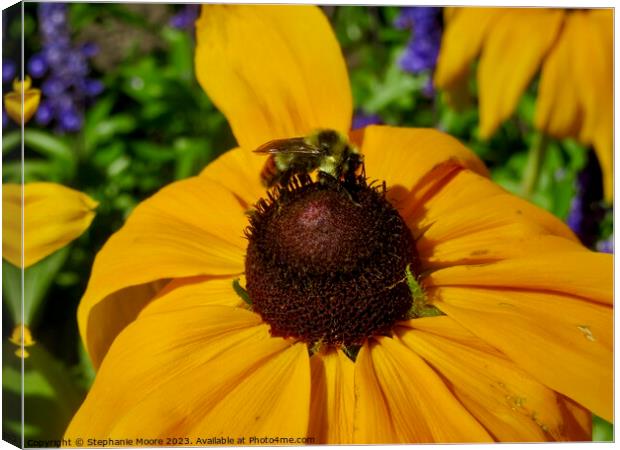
{"x": 241, "y": 292}
{"x": 419, "y": 305}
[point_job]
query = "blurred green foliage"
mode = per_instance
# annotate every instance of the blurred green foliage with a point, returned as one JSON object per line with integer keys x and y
{"x": 153, "y": 125}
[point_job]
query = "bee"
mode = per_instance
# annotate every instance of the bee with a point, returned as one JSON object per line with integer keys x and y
{"x": 325, "y": 150}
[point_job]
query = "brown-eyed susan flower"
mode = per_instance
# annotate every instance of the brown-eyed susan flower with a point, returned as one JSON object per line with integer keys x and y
{"x": 572, "y": 50}
{"x": 53, "y": 216}
{"x": 441, "y": 309}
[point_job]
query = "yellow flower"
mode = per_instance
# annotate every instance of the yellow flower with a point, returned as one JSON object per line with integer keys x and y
{"x": 573, "y": 49}
{"x": 523, "y": 350}
{"x": 53, "y": 215}
{"x": 13, "y": 100}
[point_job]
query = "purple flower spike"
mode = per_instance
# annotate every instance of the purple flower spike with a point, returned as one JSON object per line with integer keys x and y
{"x": 53, "y": 87}
{"x": 423, "y": 48}
{"x": 9, "y": 69}
{"x": 70, "y": 120}
{"x": 586, "y": 210}
{"x": 93, "y": 87}
{"x": 361, "y": 120}
{"x": 185, "y": 18}
{"x": 44, "y": 114}
{"x": 67, "y": 86}
{"x": 606, "y": 246}
{"x": 37, "y": 65}
{"x": 89, "y": 49}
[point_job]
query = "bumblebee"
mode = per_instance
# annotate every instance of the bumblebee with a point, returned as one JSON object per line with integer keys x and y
{"x": 325, "y": 150}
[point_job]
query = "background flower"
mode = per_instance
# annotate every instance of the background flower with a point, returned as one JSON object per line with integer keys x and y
{"x": 422, "y": 50}
{"x": 572, "y": 49}
{"x": 67, "y": 85}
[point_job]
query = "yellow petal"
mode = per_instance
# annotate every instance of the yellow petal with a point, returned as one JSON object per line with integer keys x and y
{"x": 503, "y": 242}
{"x": 506, "y": 400}
{"x": 467, "y": 188}
{"x": 274, "y": 71}
{"x": 192, "y": 227}
{"x": 445, "y": 326}
{"x": 563, "y": 342}
{"x": 54, "y": 215}
{"x": 393, "y": 381}
{"x": 239, "y": 170}
{"x": 576, "y": 88}
{"x": 372, "y": 420}
{"x": 13, "y": 101}
{"x": 558, "y": 109}
{"x": 173, "y": 365}
{"x": 198, "y": 291}
{"x": 578, "y": 420}
{"x": 271, "y": 401}
{"x": 472, "y": 220}
{"x": 592, "y": 62}
{"x": 580, "y": 273}
{"x": 465, "y": 33}
{"x": 511, "y": 57}
{"x": 604, "y": 147}
{"x": 105, "y": 319}
{"x": 413, "y": 160}
{"x": 333, "y": 401}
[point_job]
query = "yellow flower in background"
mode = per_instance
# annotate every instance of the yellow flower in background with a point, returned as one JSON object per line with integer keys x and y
{"x": 521, "y": 348}
{"x": 54, "y": 215}
{"x": 13, "y": 100}
{"x": 22, "y": 338}
{"x": 572, "y": 50}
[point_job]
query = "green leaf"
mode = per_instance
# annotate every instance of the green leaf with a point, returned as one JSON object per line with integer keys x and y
{"x": 602, "y": 431}
{"x": 50, "y": 396}
{"x": 95, "y": 115}
{"x": 48, "y": 145}
{"x": 37, "y": 280}
{"x": 181, "y": 56}
{"x": 192, "y": 155}
{"x": 153, "y": 152}
{"x": 11, "y": 140}
{"x": 35, "y": 170}
{"x": 396, "y": 87}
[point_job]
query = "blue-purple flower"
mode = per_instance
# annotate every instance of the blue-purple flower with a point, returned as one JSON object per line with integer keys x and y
{"x": 423, "y": 47}
{"x": 67, "y": 85}
{"x": 186, "y": 17}
{"x": 9, "y": 70}
{"x": 586, "y": 211}
{"x": 361, "y": 120}
{"x": 606, "y": 245}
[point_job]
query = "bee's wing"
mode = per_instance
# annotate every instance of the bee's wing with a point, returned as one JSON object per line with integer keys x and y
{"x": 291, "y": 146}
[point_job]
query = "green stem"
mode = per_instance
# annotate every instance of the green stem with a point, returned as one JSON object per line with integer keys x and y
{"x": 536, "y": 156}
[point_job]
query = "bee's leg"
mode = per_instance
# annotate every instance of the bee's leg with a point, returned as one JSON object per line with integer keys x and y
{"x": 284, "y": 177}
{"x": 329, "y": 180}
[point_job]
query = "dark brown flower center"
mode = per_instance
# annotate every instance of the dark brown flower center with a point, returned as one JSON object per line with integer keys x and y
{"x": 326, "y": 262}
